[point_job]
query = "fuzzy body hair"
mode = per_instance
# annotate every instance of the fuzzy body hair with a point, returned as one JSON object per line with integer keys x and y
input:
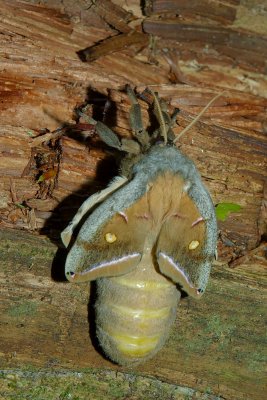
{"x": 152, "y": 235}
{"x": 157, "y": 161}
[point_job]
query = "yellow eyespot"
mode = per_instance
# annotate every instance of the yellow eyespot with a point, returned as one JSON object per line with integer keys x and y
{"x": 110, "y": 237}
{"x": 193, "y": 245}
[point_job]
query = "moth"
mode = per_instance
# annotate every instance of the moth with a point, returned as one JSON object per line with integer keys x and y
{"x": 148, "y": 237}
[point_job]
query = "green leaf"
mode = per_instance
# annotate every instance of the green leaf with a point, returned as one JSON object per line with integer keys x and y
{"x": 41, "y": 178}
{"x": 19, "y": 205}
{"x": 222, "y": 210}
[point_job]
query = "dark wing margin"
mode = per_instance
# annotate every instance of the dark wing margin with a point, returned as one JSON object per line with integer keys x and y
{"x": 111, "y": 249}
{"x": 184, "y": 251}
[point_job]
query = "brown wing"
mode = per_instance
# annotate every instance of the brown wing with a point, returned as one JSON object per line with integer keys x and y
{"x": 116, "y": 247}
{"x": 181, "y": 252}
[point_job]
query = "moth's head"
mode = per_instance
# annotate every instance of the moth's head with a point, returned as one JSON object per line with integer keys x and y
{"x": 161, "y": 120}
{"x": 142, "y": 140}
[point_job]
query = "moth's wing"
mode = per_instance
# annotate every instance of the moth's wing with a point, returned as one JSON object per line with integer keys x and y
{"x": 110, "y": 243}
{"x": 96, "y": 198}
{"x": 186, "y": 244}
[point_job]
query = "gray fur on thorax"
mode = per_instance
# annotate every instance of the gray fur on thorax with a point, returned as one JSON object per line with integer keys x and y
{"x": 158, "y": 160}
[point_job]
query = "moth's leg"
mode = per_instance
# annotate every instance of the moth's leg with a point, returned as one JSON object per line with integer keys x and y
{"x": 136, "y": 122}
{"x": 169, "y": 120}
{"x": 166, "y": 122}
{"x": 171, "y": 123}
{"x": 173, "y": 117}
{"x": 107, "y": 135}
{"x": 104, "y": 132}
{"x": 88, "y": 204}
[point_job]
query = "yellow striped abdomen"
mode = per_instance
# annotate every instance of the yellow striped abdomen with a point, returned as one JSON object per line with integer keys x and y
{"x": 134, "y": 314}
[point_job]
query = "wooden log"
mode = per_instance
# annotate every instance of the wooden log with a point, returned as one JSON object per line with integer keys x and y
{"x": 215, "y": 344}
{"x": 216, "y": 11}
{"x": 241, "y": 48}
{"x": 42, "y": 183}
{"x": 63, "y": 174}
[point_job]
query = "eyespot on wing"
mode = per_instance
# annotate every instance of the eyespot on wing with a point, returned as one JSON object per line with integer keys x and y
{"x": 114, "y": 249}
{"x": 183, "y": 249}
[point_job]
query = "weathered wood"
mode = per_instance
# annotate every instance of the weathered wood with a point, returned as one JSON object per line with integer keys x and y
{"x": 216, "y": 343}
{"x": 239, "y": 47}
{"x": 215, "y": 11}
{"x": 114, "y": 15}
{"x": 68, "y": 170}
{"x": 115, "y": 44}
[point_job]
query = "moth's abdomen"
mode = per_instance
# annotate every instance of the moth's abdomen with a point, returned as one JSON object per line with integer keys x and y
{"x": 134, "y": 314}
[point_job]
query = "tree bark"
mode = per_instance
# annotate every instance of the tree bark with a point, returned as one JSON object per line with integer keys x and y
{"x": 51, "y": 161}
{"x": 215, "y": 344}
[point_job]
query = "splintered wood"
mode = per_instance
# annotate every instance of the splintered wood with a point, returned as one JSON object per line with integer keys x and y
{"x": 58, "y": 58}
{"x": 54, "y": 177}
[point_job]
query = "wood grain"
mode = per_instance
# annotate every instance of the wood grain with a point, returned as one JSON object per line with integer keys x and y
{"x": 216, "y": 343}
{"x": 216, "y": 348}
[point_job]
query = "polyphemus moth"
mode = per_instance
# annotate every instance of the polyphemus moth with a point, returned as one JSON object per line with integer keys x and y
{"x": 151, "y": 236}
